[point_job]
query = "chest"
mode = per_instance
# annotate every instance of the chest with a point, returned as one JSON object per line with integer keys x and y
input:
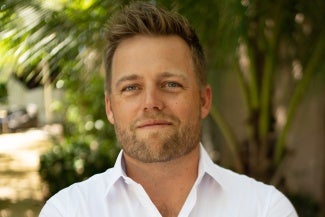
{"x": 134, "y": 202}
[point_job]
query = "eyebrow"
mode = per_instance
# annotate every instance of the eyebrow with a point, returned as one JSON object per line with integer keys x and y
{"x": 133, "y": 77}
{"x": 174, "y": 74}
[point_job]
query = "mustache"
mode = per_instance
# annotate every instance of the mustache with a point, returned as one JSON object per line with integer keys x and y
{"x": 154, "y": 116}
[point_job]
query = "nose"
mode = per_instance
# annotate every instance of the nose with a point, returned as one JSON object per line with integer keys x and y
{"x": 152, "y": 99}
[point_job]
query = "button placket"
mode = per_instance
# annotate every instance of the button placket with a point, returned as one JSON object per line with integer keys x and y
{"x": 143, "y": 198}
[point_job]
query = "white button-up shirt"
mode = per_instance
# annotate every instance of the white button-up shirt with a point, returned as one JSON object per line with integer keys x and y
{"x": 216, "y": 192}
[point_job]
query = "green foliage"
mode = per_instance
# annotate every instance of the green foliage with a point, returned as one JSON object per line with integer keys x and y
{"x": 75, "y": 160}
{"x": 89, "y": 145}
{"x": 65, "y": 38}
{"x": 276, "y": 49}
{"x": 3, "y": 93}
{"x": 46, "y": 35}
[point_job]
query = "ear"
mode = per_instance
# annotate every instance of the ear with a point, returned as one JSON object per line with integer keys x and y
{"x": 109, "y": 112}
{"x": 206, "y": 100}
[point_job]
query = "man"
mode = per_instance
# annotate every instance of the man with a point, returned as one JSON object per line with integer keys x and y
{"x": 156, "y": 97}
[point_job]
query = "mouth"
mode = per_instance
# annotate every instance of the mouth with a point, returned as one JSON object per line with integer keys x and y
{"x": 153, "y": 123}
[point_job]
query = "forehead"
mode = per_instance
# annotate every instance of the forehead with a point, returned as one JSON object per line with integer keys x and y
{"x": 161, "y": 41}
{"x": 144, "y": 55}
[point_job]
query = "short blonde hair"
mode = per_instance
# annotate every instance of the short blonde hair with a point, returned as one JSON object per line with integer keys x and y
{"x": 143, "y": 18}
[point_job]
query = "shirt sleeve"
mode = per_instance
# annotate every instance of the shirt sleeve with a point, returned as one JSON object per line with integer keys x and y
{"x": 280, "y": 206}
{"x": 50, "y": 210}
{"x": 59, "y": 205}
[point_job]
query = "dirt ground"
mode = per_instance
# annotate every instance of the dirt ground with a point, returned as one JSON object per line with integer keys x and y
{"x": 21, "y": 189}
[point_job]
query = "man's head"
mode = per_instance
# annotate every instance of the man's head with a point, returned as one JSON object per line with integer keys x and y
{"x": 142, "y": 18}
{"x": 157, "y": 92}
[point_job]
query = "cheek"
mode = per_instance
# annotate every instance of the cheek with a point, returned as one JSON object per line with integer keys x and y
{"x": 124, "y": 112}
{"x": 186, "y": 109}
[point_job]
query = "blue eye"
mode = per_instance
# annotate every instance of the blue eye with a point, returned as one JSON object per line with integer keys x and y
{"x": 130, "y": 88}
{"x": 172, "y": 84}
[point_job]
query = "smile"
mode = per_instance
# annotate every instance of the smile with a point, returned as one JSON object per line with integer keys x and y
{"x": 154, "y": 123}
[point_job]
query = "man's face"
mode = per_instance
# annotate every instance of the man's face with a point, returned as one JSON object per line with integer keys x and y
{"x": 155, "y": 102}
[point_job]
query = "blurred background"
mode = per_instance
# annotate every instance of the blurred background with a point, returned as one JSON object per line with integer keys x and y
{"x": 266, "y": 65}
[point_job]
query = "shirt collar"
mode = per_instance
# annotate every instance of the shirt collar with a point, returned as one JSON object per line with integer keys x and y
{"x": 206, "y": 167}
{"x": 116, "y": 173}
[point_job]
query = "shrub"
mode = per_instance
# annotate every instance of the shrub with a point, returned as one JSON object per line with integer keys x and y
{"x": 88, "y": 145}
{"x": 75, "y": 160}
{"x": 3, "y": 93}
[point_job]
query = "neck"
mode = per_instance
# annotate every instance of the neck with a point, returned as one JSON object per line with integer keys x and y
{"x": 185, "y": 167}
{"x": 166, "y": 183}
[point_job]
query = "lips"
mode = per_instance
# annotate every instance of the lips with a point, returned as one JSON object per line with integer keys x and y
{"x": 153, "y": 123}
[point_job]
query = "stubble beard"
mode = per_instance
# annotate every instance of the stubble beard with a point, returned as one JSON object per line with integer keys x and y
{"x": 160, "y": 146}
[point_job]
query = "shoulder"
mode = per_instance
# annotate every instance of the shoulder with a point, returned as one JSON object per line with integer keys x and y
{"x": 77, "y": 195}
{"x": 242, "y": 189}
{"x": 231, "y": 180}
{"x": 93, "y": 185}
